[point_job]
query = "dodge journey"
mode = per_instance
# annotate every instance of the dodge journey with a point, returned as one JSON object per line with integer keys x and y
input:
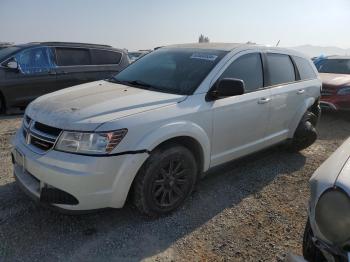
{"x": 152, "y": 130}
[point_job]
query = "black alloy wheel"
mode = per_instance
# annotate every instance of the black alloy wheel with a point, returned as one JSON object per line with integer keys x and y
{"x": 165, "y": 180}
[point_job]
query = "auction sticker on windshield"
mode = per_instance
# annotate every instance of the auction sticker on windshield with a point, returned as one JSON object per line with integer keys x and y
{"x": 204, "y": 56}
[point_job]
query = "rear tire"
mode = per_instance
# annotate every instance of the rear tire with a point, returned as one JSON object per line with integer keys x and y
{"x": 165, "y": 180}
{"x": 310, "y": 252}
{"x": 305, "y": 134}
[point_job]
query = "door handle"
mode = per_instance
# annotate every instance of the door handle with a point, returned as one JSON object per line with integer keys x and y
{"x": 264, "y": 100}
{"x": 52, "y": 73}
{"x": 301, "y": 91}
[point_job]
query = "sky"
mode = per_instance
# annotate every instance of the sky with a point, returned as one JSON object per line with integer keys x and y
{"x": 145, "y": 24}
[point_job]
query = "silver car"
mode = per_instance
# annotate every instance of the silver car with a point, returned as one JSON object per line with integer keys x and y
{"x": 327, "y": 232}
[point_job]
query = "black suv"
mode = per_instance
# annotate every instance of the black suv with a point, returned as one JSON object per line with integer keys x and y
{"x": 30, "y": 70}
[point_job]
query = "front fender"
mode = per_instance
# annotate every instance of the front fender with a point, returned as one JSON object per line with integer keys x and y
{"x": 178, "y": 129}
{"x": 299, "y": 115}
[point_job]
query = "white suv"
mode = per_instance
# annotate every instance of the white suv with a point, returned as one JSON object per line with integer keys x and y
{"x": 151, "y": 131}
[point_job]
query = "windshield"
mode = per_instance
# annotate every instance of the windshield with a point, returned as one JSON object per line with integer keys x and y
{"x": 334, "y": 66}
{"x": 4, "y": 52}
{"x": 171, "y": 70}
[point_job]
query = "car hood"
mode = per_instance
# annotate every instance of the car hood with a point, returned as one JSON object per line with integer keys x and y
{"x": 334, "y": 171}
{"x": 343, "y": 179}
{"x": 86, "y": 107}
{"x": 335, "y": 80}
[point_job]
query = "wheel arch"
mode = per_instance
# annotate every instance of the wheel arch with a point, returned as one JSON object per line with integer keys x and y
{"x": 309, "y": 103}
{"x": 315, "y": 108}
{"x": 191, "y": 144}
{"x": 187, "y": 134}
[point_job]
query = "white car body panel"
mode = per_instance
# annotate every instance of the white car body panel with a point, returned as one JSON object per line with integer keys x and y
{"x": 334, "y": 171}
{"x": 101, "y": 102}
{"x": 235, "y": 115}
{"x": 225, "y": 129}
{"x": 343, "y": 178}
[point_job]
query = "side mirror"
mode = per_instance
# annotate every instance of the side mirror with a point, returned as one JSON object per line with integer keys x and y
{"x": 12, "y": 65}
{"x": 225, "y": 88}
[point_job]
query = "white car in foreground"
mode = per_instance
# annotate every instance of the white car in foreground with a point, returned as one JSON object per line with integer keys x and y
{"x": 327, "y": 232}
{"x": 153, "y": 129}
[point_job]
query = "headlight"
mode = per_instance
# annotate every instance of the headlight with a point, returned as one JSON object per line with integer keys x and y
{"x": 90, "y": 143}
{"x": 344, "y": 91}
{"x": 333, "y": 215}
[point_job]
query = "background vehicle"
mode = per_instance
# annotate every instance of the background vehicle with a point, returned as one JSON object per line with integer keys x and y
{"x": 335, "y": 75}
{"x": 133, "y": 56}
{"x": 317, "y": 60}
{"x": 31, "y": 70}
{"x": 5, "y": 44}
{"x": 155, "y": 127}
{"x": 327, "y": 232}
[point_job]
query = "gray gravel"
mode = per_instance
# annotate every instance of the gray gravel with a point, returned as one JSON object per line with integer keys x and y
{"x": 253, "y": 209}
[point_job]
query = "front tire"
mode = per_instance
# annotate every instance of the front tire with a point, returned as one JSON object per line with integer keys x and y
{"x": 165, "y": 180}
{"x": 310, "y": 252}
{"x": 305, "y": 134}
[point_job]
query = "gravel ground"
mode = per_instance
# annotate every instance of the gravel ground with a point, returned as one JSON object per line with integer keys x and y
{"x": 253, "y": 209}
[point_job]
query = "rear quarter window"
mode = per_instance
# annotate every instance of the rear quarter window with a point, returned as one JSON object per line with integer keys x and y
{"x": 305, "y": 69}
{"x": 105, "y": 57}
{"x": 281, "y": 69}
{"x": 72, "y": 56}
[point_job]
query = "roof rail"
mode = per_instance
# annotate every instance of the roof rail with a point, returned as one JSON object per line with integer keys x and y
{"x": 69, "y": 43}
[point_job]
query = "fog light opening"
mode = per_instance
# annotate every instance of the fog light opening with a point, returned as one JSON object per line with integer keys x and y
{"x": 52, "y": 195}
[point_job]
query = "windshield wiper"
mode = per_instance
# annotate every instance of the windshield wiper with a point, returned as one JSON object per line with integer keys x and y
{"x": 114, "y": 80}
{"x": 138, "y": 83}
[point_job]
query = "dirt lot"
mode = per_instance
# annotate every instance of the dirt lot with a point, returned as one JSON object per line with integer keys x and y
{"x": 253, "y": 209}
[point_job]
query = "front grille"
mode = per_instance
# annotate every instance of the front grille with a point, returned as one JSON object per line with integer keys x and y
{"x": 47, "y": 129}
{"x": 40, "y": 143}
{"x": 38, "y": 135}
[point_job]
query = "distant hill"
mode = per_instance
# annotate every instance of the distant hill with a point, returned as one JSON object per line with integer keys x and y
{"x": 312, "y": 51}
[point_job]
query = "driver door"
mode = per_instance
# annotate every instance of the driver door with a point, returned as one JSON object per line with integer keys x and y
{"x": 34, "y": 77}
{"x": 240, "y": 122}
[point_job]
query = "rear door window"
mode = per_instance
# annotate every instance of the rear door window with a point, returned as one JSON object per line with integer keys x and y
{"x": 72, "y": 56}
{"x": 105, "y": 57}
{"x": 281, "y": 69}
{"x": 247, "y": 68}
{"x": 305, "y": 69}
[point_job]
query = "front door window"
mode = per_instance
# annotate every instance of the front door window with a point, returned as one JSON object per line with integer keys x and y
{"x": 35, "y": 61}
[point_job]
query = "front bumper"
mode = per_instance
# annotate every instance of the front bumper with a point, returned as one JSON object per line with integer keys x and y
{"x": 96, "y": 182}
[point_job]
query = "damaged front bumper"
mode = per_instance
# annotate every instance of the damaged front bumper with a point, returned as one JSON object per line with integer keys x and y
{"x": 75, "y": 182}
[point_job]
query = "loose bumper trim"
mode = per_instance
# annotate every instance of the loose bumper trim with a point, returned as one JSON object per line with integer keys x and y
{"x": 109, "y": 155}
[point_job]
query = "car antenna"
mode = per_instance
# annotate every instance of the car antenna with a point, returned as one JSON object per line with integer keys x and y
{"x": 278, "y": 43}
